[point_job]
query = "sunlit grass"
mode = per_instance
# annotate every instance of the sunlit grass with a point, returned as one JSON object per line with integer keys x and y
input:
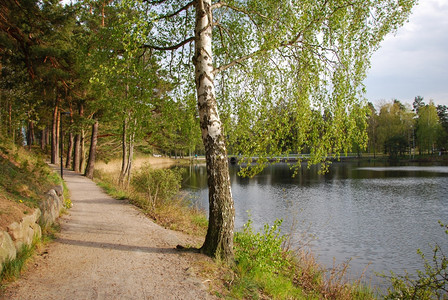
{"x": 12, "y": 269}
{"x": 113, "y": 166}
{"x": 266, "y": 270}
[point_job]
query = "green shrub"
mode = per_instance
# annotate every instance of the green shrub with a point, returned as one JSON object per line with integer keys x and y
{"x": 263, "y": 267}
{"x": 432, "y": 283}
{"x": 158, "y": 185}
{"x": 262, "y": 251}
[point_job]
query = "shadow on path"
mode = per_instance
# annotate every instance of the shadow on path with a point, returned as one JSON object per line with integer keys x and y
{"x": 120, "y": 247}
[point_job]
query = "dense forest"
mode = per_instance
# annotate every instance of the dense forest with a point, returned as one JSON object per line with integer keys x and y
{"x": 67, "y": 73}
{"x": 98, "y": 78}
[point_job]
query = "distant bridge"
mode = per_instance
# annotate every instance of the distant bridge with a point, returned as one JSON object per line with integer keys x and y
{"x": 233, "y": 159}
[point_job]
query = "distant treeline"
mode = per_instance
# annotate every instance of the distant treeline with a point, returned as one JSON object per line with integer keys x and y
{"x": 401, "y": 130}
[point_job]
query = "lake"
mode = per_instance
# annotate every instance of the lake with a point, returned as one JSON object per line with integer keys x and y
{"x": 374, "y": 214}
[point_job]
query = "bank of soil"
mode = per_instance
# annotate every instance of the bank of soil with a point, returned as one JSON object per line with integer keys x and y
{"x": 107, "y": 249}
{"x": 11, "y": 212}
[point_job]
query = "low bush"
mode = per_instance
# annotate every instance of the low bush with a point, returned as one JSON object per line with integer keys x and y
{"x": 432, "y": 283}
{"x": 262, "y": 266}
{"x": 158, "y": 185}
{"x": 157, "y": 193}
{"x": 265, "y": 269}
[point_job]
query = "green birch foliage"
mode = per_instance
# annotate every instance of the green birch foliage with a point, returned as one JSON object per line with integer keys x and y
{"x": 303, "y": 92}
{"x": 288, "y": 73}
{"x": 428, "y": 127}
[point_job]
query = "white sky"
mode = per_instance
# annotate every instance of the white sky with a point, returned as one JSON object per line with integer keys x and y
{"x": 414, "y": 61}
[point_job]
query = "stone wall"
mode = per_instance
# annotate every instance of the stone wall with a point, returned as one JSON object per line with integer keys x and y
{"x": 30, "y": 226}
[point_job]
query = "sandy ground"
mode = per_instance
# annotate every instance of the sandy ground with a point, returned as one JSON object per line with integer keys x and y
{"x": 107, "y": 249}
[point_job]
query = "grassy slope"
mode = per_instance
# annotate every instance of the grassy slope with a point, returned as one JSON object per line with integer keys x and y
{"x": 24, "y": 179}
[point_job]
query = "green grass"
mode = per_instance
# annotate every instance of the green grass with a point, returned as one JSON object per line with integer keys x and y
{"x": 264, "y": 269}
{"x": 113, "y": 190}
{"x": 24, "y": 176}
{"x": 13, "y": 268}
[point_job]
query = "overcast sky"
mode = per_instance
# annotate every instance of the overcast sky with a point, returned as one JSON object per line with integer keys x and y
{"x": 414, "y": 61}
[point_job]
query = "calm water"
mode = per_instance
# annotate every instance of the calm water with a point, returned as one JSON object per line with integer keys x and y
{"x": 378, "y": 216}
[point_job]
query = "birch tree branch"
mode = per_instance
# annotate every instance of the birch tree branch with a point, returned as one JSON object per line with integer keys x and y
{"x": 185, "y": 7}
{"x": 172, "y": 47}
{"x": 238, "y": 60}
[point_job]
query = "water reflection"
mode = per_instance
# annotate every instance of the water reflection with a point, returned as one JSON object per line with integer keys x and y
{"x": 376, "y": 215}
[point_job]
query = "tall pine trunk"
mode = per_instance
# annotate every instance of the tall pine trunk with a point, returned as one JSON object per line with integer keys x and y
{"x": 70, "y": 146}
{"x": 92, "y": 154}
{"x": 68, "y": 161}
{"x": 30, "y": 134}
{"x": 90, "y": 167}
{"x": 55, "y": 134}
{"x": 43, "y": 139}
{"x": 77, "y": 153}
{"x": 219, "y": 239}
{"x": 82, "y": 161}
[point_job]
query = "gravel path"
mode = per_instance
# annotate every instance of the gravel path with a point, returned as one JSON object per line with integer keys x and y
{"x": 107, "y": 249}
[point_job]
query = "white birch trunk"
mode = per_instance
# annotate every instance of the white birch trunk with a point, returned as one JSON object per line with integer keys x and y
{"x": 219, "y": 239}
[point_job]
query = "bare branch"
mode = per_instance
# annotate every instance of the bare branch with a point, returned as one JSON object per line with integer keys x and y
{"x": 169, "y": 48}
{"x": 238, "y": 60}
{"x": 155, "y": 2}
{"x": 185, "y": 7}
{"x": 238, "y": 9}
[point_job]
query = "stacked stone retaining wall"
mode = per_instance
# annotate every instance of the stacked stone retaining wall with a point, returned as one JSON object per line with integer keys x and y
{"x": 30, "y": 226}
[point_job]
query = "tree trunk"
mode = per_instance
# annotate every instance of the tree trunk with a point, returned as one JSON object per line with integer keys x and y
{"x": 79, "y": 147}
{"x": 30, "y": 136}
{"x": 82, "y": 161}
{"x": 130, "y": 155}
{"x": 43, "y": 139}
{"x": 124, "y": 152}
{"x": 68, "y": 162}
{"x": 219, "y": 240}
{"x": 92, "y": 154}
{"x": 77, "y": 153}
{"x": 54, "y": 135}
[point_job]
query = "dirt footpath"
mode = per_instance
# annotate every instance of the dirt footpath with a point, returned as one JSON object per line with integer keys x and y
{"x": 107, "y": 249}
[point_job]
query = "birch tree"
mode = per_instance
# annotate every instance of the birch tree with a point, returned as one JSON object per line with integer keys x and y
{"x": 268, "y": 67}
{"x": 428, "y": 127}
